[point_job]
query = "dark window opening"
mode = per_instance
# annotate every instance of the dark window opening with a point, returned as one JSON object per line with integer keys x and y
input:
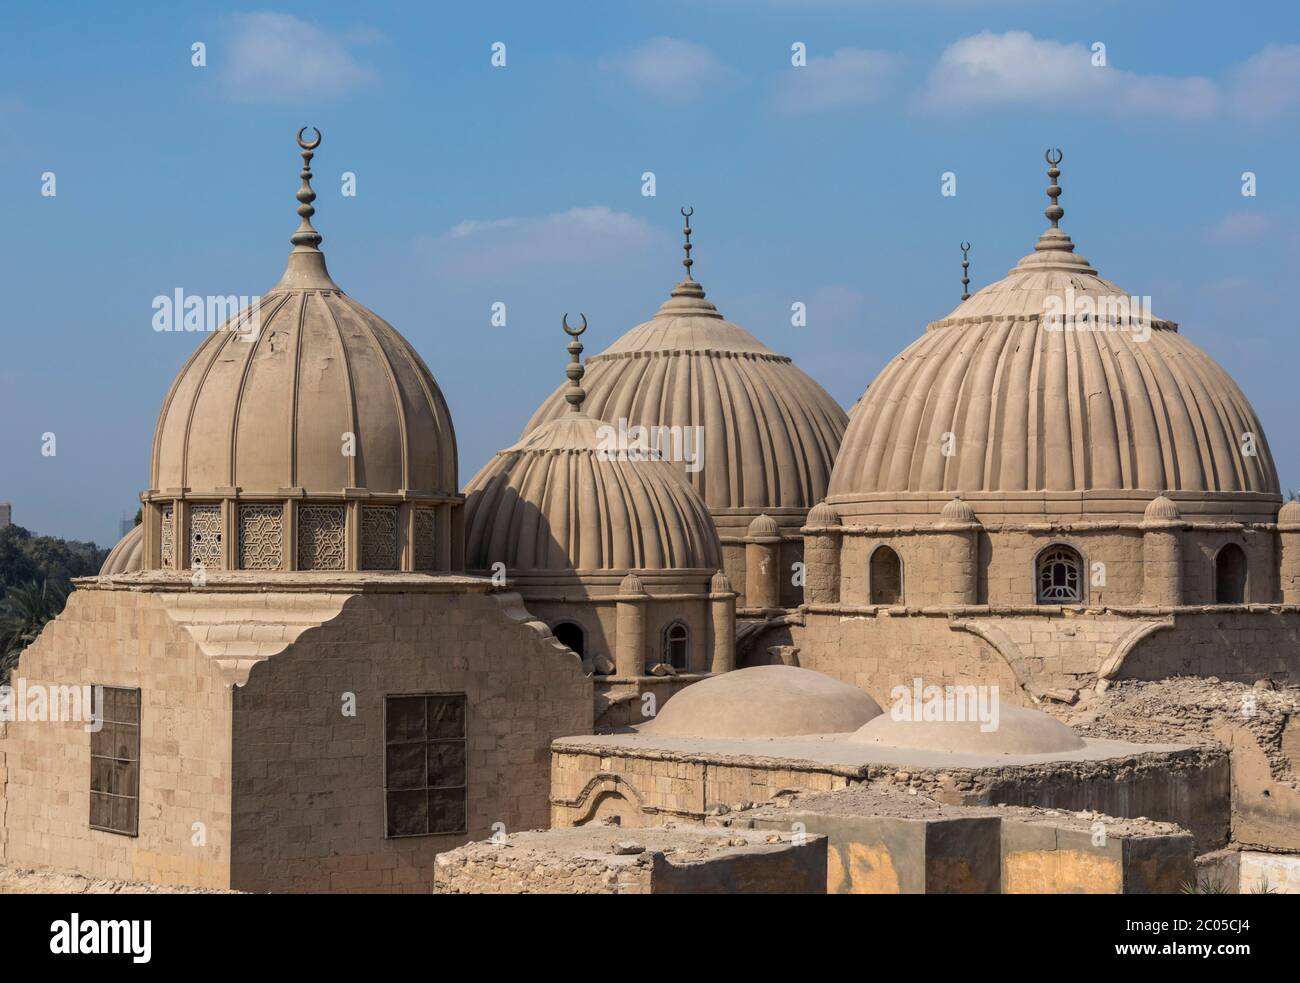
{"x": 1230, "y": 575}
{"x": 571, "y": 634}
{"x": 886, "y": 577}
{"x": 115, "y": 762}
{"x": 1059, "y": 576}
{"x": 676, "y": 648}
{"x": 425, "y": 764}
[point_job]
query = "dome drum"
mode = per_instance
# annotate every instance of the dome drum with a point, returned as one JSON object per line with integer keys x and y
{"x": 290, "y": 532}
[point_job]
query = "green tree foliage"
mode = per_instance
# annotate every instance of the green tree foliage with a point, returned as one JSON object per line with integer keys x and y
{"x": 35, "y": 578}
{"x": 23, "y": 613}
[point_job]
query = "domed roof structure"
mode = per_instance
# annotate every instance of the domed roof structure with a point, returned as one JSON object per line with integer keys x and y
{"x": 266, "y": 401}
{"x": 770, "y": 432}
{"x": 304, "y": 433}
{"x": 565, "y": 499}
{"x": 1019, "y": 730}
{"x": 1289, "y": 514}
{"x": 1051, "y": 384}
{"x": 764, "y": 701}
{"x": 127, "y": 556}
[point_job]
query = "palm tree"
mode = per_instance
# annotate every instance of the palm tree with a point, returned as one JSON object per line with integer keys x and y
{"x": 23, "y": 613}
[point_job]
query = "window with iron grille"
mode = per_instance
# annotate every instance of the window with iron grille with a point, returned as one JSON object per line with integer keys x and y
{"x": 425, "y": 764}
{"x": 115, "y": 763}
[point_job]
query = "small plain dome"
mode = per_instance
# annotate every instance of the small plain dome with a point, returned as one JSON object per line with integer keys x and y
{"x": 127, "y": 556}
{"x": 764, "y": 701}
{"x": 1020, "y": 730}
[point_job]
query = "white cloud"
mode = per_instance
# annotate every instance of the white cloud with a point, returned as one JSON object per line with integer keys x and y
{"x": 590, "y": 237}
{"x": 849, "y": 76}
{"x": 1244, "y": 226}
{"x": 1016, "y": 67}
{"x": 275, "y": 56}
{"x": 1267, "y": 84}
{"x": 670, "y": 68}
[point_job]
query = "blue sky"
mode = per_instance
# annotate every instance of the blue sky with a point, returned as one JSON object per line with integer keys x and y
{"x": 523, "y": 184}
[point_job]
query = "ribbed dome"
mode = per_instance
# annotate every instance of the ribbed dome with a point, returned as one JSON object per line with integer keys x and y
{"x": 271, "y": 413}
{"x": 1161, "y": 509}
{"x": 958, "y": 511}
{"x": 770, "y": 432}
{"x": 1289, "y": 514}
{"x": 267, "y": 401}
{"x": 1033, "y": 410}
{"x": 555, "y": 502}
{"x": 127, "y": 556}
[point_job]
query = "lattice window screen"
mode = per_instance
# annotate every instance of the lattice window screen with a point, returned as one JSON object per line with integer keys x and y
{"x": 426, "y": 556}
{"x": 205, "y": 537}
{"x": 261, "y": 537}
{"x": 320, "y": 537}
{"x": 378, "y": 537}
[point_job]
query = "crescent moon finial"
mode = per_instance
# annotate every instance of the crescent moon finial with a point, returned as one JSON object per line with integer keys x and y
{"x": 1054, "y": 211}
{"x": 574, "y": 394}
{"x": 573, "y": 332}
{"x": 687, "y": 262}
{"x": 309, "y": 146}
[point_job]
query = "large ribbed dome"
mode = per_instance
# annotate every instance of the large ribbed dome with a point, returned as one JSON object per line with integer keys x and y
{"x": 1105, "y": 412}
{"x": 565, "y": 499}
{"x": 770, "y": 432}
{"x": 267, "y": 407}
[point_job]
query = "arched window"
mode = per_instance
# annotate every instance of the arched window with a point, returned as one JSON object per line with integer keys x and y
{"x": 886, "y": 577}
{"x": 1060, "y": 572}
{"x": 1230, "y": 575}
{"x": 570, "y": 633}
{"x": 676, "y": 648}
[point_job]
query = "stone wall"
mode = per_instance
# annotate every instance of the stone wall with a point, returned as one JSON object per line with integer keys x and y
{"x": 1029, "y": 651}
{"x": 126, "y": 639}
{"x": 308, "y": 779}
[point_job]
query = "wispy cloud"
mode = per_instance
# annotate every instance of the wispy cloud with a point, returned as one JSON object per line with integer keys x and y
{"x": 673, "y": 69}
{"x": 1244, "y": 225}
{"x": 847, "y": 77}
{"x": 590, "y": 237}
{"x": 1018, "y": 68}
{"x": 274, "y": 57}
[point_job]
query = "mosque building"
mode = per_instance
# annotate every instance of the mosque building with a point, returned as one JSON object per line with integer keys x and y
{"x": 323, "y": 663}
{"x": 1049, "y": 497}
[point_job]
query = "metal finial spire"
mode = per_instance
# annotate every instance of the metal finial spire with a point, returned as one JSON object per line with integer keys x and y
{"x": 1054, "y": 211}
{"x": 965, "y": 271}
{"x": 306, "y": 239}
{"x": 575, "y": 394}
{"x": 688, "y": 262}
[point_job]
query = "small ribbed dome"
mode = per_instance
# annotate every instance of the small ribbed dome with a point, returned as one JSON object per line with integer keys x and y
{"x": 764, "y": 701}
{"x": 958, "y": 511}
{"x": 1019, "y": 730}
{"x": 822, "y": 514}
{"x": 1162, "y": 509}
{"x": 763, "y": 527}
{"x": 770, "y": 432}
{"x": 276, "y": 397}
{"x": 1097, "y": 412}
{"x": 127, "y": 556}
{"x": 556, "y": 501}
{"x": 720, "y": 584}
{"x": 1289, "y": 514}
